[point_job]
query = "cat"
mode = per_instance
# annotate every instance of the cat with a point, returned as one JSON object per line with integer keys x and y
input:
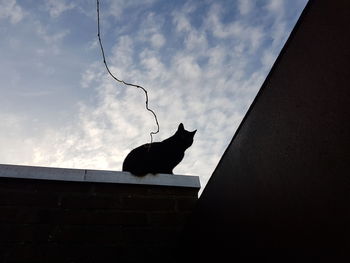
{"x": 159, "y": 157}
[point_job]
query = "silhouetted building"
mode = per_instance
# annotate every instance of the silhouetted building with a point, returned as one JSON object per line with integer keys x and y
{"x": 281, "y": 192}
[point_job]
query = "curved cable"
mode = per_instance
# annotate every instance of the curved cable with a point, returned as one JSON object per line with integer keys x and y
{"x": 119, "y": 80}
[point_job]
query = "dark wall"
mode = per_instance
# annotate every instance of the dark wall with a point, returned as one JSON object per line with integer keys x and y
{"x": 61, "y": 221}
{"x": 281, "y": 192}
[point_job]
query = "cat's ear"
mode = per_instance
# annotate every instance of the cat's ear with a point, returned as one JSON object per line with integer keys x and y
{"x": 181, "y": 127}
{"x": 194, "y": 132}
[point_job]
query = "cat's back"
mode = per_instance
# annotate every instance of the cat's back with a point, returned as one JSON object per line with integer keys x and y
{"x": 138, "y": 160}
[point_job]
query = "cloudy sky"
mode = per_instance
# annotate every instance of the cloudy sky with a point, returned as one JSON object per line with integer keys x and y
{"x": 202, "y": 63}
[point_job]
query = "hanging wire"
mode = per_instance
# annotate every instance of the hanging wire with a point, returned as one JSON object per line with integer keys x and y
{"x": 119, "y": 80}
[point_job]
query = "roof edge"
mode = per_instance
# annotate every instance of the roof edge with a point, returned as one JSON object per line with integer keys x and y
{"x": 96, "y": 176}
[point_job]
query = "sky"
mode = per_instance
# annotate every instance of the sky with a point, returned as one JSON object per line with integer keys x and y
{"x": 202, "y": 63}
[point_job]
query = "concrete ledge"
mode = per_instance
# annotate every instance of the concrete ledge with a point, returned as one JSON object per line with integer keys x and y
{"x": 98, "y": 176}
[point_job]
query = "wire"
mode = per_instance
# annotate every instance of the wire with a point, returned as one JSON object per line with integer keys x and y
{"x": 119, "y": 80}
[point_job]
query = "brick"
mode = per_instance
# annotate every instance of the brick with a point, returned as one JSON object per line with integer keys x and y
{"x": 43, "y": 186}
{"x": 8, "y": 184}
{"x": 98, "y": 217}
{"x": 71, "y": 217}
{"x": 58, "y": 187}
{"x": 8, "y": 214}
{"x": 121, "y": 189}
{"x": 91, "y": 253}
{"x": 90, "y": 201}
{"x": 168, "y": 219}
{"x": 186, "y": 204}
{"x": 28, "y": 199}
{"x": 27, "y": 215}
{"x": 150, "y": 235}
{"x": 24, "y": 233}
{"x": 20, "y": 253}
{"x": 173, "y": 191}
{"x": 86, "y": 234}
{"x": 113, "y": 217}
{"x": 27, "y": 253}
{"x": 32, "y": 215}
{"x": 148, "y": 203}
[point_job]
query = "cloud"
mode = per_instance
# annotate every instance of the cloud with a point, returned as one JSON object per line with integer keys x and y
{"x": 122, "y": 54}
{"x": 241, "y": 31}
{"x": 276, "y": 6}
{"x": 268, "y": 58}
{"x": 49, "y": 38}
{"x": 57, "y": 7}
{"x": 120, "y": 8}
{"x": 186, "y": 67}
{"x": 181, "y": 22}
{"x": 157, "y": 40}
{"x": 11, "y": 10}
{"x": 150, "y": 31}
{"x": 245, "y": 6}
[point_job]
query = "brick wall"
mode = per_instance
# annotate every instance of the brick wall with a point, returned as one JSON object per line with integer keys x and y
{"x": 76, "y": 220}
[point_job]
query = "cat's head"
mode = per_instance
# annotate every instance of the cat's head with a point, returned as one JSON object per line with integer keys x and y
{"x": 184, "y": 137}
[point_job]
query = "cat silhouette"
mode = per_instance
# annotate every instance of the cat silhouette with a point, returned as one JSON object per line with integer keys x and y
{"x": 159, "y": 157}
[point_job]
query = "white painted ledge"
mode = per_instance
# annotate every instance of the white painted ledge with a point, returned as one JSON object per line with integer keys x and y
{"x": 99, "y": 176}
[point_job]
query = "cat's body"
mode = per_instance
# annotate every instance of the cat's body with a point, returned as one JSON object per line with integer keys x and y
{"x": 159, "y": 157}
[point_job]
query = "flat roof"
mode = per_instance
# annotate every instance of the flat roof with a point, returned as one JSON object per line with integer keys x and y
{"x": 97, "y": 176}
